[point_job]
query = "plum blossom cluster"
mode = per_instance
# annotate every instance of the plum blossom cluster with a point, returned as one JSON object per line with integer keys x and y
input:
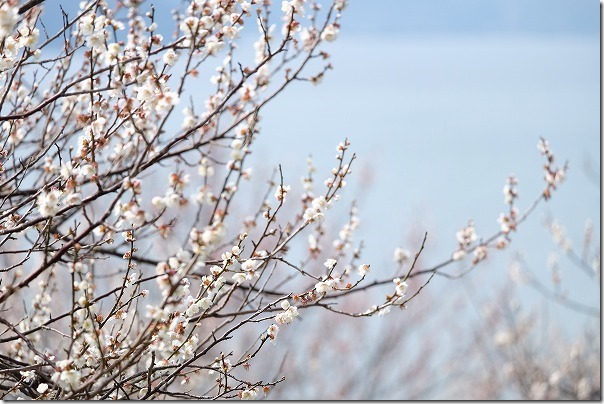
{"x": 401, "y": 288}
{"x": 326, "y": 285}
{"x": 121, "y": 184}
{"x": 559, "y": 235}
{"x": 509, "y": 221}
{"x": 16, "y": 39}
{"x": 316, "y": 212}
{"x": 91, "y": 135}
{"x": 272, "y": 332}
{"x": 553, "y": 175}
{"x": 281, "y": 192}
{"x": 567, "y": 370}
{"x": 203, "y": 240}
{"x": 249, "y": 270}
{"x": 49, "y": 202}
{"x": 346, "y": 234}
{"x": 288, "y": 315}
{"x": 465, "y": 238}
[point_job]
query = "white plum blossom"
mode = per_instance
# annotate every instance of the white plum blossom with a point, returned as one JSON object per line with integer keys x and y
{"x": 68, "y": 377}
{"x": 72, "y": 199}
{"x": 364, "y": 269}
{"x": 544, "y": 147}
{"x": 97, "y": 40}
{"x": 28, "y": 375}
{"x": 156, "y": 96}
{"x": 480, "y": 253}
{"x": 202, "y": 240}
{"x": 467, "y": 235}
{"x": 113, "y": 52}
{"x": 239, "y": 277}
{"x": 288, "y": 315}
{"x": 340, "y": 5}
{"x": 326, "y": 285}
{"x": 308, "y": 37}
{"x": 311, "y": 214}
{"x": 247, "y": 93}
{"x": 192, "y": 310}
{"x": 205, "y": 169}
{"x": 11, "y": 47}
{"x": 195, "y": 306}
{"x": 236, "y": 250}
{"x": 281, "y": 192}
{"x": 158, "y": 202}
{"x": 132, "y": 216}
{"x": 320, "y": 203}
{"x": 214, "y": 46}
{"x": 322, "y": 287}
{"x": 48, "y": 203}
{"x": 559, "y": 236}
{"x": 401, "y": 255}
{"x": 247, "y": 174}
{"x": 190, "y": 27}
{"x": 458, "y": 255}
{"x": 67, "y": 170}
{"x": 249, "y": 394}
{"x": 401, "y": 287}
{"x": 289, "y": 7}
{"x": 237, "y": 151}
{"x": 28, "y": 37}
{"x": 250, "y": 266}
{"x": 216, "y": 270}
{"x": 189, "y": 119}
{"x": 506, "y": 222}
{"x": 383, "y": 311}
{"x": 171, "y": 200}
{"x": 170, "y": 57}
{"x": 166, "y": 101}
{"x": 204, "y": 303}
{"x": 272, "y": 332}
{"x": 330, "y": 33}
{"x": 87, "y": 171}
{"x": 86, "y": 24}
{"x": 330, "y": 263}
{"x": 317, "y": 209}
{"x": 231, "y": 31}
{"x": 559, "y": 176}
{"x": 509, "y": 190}
{"x": 42, "y": 388}
{"x": 504, "y": 338}
{"x": 313, "y": 243}
{"x": 8, "y": 19}
{"x": 223, "y": 365}
{"x": 347, "y": 231}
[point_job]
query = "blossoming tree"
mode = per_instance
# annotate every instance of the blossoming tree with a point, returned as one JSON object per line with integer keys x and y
{"x": 119, "y": 277}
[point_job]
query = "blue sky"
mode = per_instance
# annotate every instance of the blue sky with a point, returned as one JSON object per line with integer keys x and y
{"x": 449, "y": 17}
{"x": 436, "y": 17}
